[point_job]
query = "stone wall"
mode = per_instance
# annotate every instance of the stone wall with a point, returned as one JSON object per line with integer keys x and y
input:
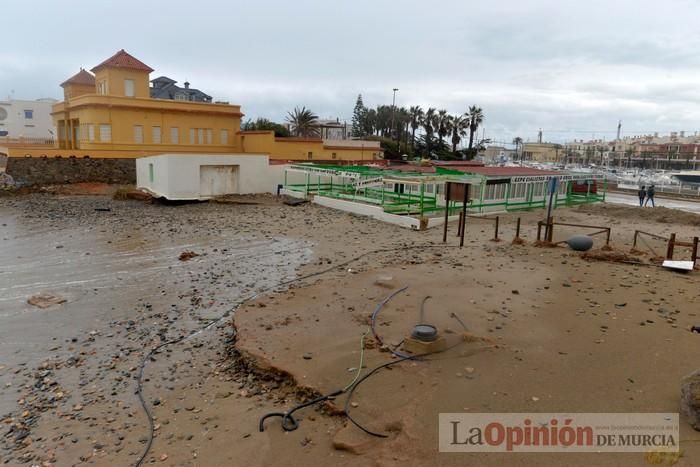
{"x": 28, "y": 171}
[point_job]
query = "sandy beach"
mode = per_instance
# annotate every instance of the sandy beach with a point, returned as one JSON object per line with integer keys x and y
{"x": 549, "y": 331}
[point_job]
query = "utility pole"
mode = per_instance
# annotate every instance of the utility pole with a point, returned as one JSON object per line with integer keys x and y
{"x": 393, "y": 111}
{"x": 619, "y": 129}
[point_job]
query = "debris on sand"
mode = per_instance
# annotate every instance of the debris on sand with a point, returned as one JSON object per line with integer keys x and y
{"x": 690, "y": 398}
{"x": 45, "y": 300}
{"x": 544, "y": 243}
{"x": 6, "y": 181}
{"x": 123, "y": 194}
{"x": 679, "y": 266}
{"x": 611, "y": 256}
{"x": 385, "y": 281}
{"x": 187, "y": 255}
{"x": 294, "y": 201}
{"x": 235, "y": 199}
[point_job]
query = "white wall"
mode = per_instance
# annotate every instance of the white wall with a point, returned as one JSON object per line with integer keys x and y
{"x": 362, "y": 209}
{"x": 176, "y": 176}
{"x": 18, "y": 126}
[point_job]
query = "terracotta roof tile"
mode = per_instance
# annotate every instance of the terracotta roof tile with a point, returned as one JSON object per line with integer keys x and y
{"x": 82, "y": 77}
{"x": 122, "y": 59}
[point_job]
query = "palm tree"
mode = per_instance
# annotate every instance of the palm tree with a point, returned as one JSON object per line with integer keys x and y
{"x": 303, "y": 122}
{"x": 403, "y": 120}
{"x": 458, "y": 126}
{"x": 443, "y": 125}
{"x": 369, "y": 123}
{"x": 518, "y": 141}
{"x": 476, "y": 118}
{"x": 416, "y": 114}
{"x": 428, "y": 122}
{"x": 383, "y": 124}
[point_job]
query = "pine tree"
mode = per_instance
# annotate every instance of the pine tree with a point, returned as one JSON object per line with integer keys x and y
{"x": 358, "y": 116}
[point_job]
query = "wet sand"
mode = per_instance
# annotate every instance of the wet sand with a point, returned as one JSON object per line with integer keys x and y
{"x": 562, "y": 338}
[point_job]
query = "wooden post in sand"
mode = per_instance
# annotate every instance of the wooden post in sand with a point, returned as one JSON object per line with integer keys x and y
{"x": 465, "y": 187}
{"x": 549, "y": 232}
{"x": 671, "y": 245}
{"x": 447, "y": 213}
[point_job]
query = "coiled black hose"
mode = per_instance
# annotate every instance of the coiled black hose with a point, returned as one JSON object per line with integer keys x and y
{"x": 139, "y": 379}
{"x": 290, "y": 424}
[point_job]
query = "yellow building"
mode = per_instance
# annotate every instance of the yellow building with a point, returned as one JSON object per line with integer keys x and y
{"x": 542, "y": 152}
{"x": 111, "y": 115}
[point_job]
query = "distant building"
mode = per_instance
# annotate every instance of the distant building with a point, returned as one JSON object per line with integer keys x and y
{"x": 676, "y": 151}
{"x": 332, "y": 129}
{"x": 542, "y": 152}
{"x": 497, "y": 154}
{"x": 165, "y": 88}
{"x": 26, "y": 119}
{"x": 328, "y": 129}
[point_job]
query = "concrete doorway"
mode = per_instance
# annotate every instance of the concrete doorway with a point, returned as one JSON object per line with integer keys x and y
{"x": 217, "y": 180}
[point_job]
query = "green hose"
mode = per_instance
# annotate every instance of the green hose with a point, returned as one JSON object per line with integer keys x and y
{"x": 362, "y": 359}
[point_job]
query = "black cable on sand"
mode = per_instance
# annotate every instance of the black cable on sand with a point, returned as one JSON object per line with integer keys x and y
{"x": 153, "y": 351}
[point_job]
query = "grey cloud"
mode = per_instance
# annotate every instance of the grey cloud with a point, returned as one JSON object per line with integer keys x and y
{"x": 568, "y": 66}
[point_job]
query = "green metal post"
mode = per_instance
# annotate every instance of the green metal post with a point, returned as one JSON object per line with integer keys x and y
{"x": 481, "y": 195}
{"x": 408, "y": 208}
{"x": 507, "y": 195}
{"x": 605, "y": 188}
{"x": 422, "y": 190}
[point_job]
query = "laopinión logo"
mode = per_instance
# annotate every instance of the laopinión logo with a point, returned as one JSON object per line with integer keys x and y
{"x": 558, "y": 432}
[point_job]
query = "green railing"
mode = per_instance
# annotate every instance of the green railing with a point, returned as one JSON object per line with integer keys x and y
{"x": 420, "y": 202}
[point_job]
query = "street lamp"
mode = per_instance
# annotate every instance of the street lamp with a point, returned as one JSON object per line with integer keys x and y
{"x": 393, "y": 111}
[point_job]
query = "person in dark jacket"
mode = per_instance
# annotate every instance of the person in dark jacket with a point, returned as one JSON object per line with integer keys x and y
{"x": 642, "y": 193}
{"x": 650, "y": 196}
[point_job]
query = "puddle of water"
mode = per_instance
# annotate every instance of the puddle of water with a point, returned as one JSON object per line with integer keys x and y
{"x": 104, "y": 277}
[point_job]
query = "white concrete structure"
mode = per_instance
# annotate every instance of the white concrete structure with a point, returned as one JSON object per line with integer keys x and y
{"x": 205, "y": 176}
{"x": 27, "y": 119}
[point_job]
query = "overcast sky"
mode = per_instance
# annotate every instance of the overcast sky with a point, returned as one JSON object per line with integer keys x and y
{"x": 572, "y": 68}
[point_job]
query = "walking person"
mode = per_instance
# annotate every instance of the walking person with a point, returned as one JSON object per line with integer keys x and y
{"x": 642, "y": 193}
{"x": 650, "y": 196}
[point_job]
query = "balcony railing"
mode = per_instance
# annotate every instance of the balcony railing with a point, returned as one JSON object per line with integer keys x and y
{"x": 25, "y": 141}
